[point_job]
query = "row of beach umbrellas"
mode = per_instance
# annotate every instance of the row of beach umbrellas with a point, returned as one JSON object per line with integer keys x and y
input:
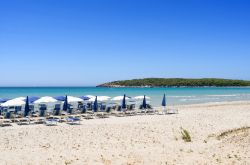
{"x": 68, "y": 99}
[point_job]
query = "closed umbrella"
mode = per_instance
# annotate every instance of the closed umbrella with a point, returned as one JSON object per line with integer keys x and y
{"x": 65, "y": 104}
{"x": 124, "y": 102}
{"x": 164, "y": 103}
{"x": 144, "y": 103}
{"x": 26, "y": 108}
{"x": 95, "y": 108}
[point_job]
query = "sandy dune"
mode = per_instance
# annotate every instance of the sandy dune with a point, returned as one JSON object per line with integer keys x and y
{"x": 136, "y": 140}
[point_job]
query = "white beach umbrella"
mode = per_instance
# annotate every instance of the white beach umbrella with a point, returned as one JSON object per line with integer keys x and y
{"x": 141, "y": 97}
{"x": 74, "y": 99}
{"x": 119, "y": 98}
{"x": 100, "y": 98}
{"x": 14, "y": 102}
{"x": 45, "y": 99}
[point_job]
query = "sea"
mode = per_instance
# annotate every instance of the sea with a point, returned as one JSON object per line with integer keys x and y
{"x": 174, "y": 96}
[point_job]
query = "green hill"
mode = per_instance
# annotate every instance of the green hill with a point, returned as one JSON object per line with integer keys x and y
{"x": 177, "y": 82}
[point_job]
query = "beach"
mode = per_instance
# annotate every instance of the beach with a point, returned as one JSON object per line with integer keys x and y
{"x": 219, "y": 135}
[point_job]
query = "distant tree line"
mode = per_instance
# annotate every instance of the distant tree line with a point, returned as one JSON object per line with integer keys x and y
{"x": 178, "y": 82}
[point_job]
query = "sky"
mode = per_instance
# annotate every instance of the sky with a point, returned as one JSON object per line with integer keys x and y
{"x": 88, "y": 42}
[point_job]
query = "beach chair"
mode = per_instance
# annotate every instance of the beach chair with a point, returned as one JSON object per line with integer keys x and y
{"x": 6, "y": 120}
{"x": 23, "y": 121}
{"x": 41, "y": 117}
{"x": 130, "y": 110}
{"x": 150, "y": 110}
{"x": 51, "y": 121}
{"x": 57, "y": 109}
{"x": 73, "y": 119}
{"x": 118, "y": 112}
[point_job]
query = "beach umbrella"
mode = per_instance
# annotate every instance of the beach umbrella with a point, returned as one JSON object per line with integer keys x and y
{"x": 45, "y": 99}
{"x": 163, "y": 103}
{"x": 74, "y": 99}
{"x": 144, "y": 103}
{"x": 3, "y": 100}
{"x": 27, "y": 107}
{"x": 95, "y": 108}
{"x": 85, "y": 97}
{"x": 33, "y": 98}
{"x": 65, "y": 104}
{"x": 14, "y": 102}
{"x": 60, "y": 98}
{"x": 124, "y": 102}
{"x": 119, "y": 98}
{"x": 100, "y": 98}
{"x": 141, "y": 97}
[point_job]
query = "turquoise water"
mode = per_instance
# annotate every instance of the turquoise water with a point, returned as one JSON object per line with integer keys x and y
{"x": 174, "y": 95}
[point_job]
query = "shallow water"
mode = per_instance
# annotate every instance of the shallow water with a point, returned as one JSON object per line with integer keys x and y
{"x": 174, "y": 95}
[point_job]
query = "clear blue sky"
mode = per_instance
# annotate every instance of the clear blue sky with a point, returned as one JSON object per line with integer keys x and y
{"x": 87, "y": 42}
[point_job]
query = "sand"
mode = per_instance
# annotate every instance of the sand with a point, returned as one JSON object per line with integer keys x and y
{"x": 136, "y": 140}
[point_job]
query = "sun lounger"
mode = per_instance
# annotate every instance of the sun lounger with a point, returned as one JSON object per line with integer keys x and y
{"x": 73, "y": 120}
{"x": 23, "y": 121}
{"x": 5, "y": 122}
{"x": 51, "y": 121}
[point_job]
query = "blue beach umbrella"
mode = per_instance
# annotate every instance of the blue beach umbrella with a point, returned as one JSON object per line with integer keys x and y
{"x": 65, "y": 104}
{"x": 3, "y": 100}
{"x": 95, "y": 108}
{"x": 27, "y": 107}
{"x": 164, "y": 103}
{"x": 85, "y": 97}
{"x": 124, "y": 102}
{"x": 144, "y": 102}
{"x": 60, "y": 98}
{"x": 33, "y": 99}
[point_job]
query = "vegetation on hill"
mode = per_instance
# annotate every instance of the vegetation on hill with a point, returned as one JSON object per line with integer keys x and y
{"x": 177, "y": 82}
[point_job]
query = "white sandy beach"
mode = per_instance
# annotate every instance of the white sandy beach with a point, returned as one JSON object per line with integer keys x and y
{"x": 136, "y": 140}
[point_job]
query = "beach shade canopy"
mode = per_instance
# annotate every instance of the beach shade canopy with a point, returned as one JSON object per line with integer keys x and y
{"x": 100, "y": 98}
{"x": 3, "y": 100}
{"x": 60, "y": 98}
{"x": 141, "y": 97}
{"x": 164, "y": 103}
{"x": 74, "y": 99}
{"x": 27, "y": 107}
{"x": 119, "y": 98}
{"x": 45, "y": 99}
{"x": 95, "y": 107}
{"x": 144, "y": 102}
{"x": 124, "y": 102}
{"x": 65, "y": 104}
{"x": 14, "y": 102}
